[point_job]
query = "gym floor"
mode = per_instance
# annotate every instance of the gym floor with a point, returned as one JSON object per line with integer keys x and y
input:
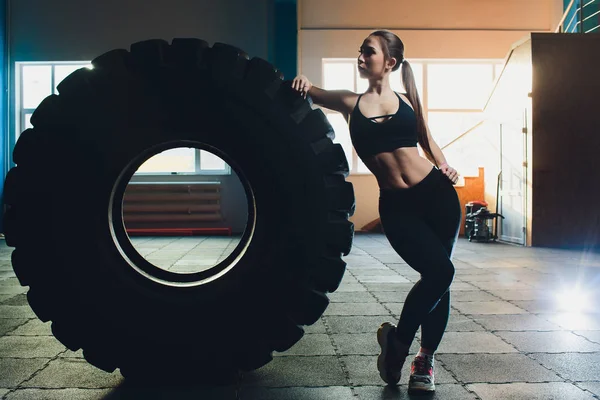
{"x": 508, "y": 337}
{"x": 185, "y": 254}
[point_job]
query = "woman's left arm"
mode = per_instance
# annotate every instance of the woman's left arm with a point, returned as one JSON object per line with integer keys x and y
{"x": 450, "y": 172}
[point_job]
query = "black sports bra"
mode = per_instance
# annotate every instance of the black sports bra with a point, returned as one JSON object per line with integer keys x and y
{"x": 370, "y": 137}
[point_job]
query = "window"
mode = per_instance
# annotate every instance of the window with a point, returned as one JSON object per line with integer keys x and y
{"x": 340, "y": 75}
{"x": 452, "y": 92}
{"x": 396, "y": 80}
{"x": 39, "y": 80}
{"x": 184, "y": 160}
{"x": 459, "y": 86}
{"x": 447, "y": 126}
{"x": 457, "y": 93}
{"x": 178, "y": 160}
{"x": 37, "y": 84}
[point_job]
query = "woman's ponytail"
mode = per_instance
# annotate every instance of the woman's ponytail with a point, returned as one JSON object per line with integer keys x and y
{"x": 408, "y": 79}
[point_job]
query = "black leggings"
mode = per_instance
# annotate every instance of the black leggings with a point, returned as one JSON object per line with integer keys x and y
{"x": 422, "y": 224}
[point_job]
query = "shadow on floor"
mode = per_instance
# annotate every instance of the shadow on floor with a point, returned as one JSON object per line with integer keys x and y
{"x": 129, "y": 391}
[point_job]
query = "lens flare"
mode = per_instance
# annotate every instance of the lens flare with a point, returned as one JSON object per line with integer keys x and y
{"x": 573, "y": 300}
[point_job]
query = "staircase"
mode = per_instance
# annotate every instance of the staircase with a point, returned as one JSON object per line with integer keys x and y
{"x": 581, "y": 16}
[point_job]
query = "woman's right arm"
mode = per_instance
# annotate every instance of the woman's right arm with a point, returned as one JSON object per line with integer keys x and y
{"x": 337, "y": 100}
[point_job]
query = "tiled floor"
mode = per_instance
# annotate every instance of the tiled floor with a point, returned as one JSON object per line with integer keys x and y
{"x": 507, "y": 337}
{"x": 185, "y": 254}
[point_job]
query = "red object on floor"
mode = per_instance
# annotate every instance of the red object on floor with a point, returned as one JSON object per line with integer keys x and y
{"x": 479, "y": 203}
{"x": 179, "y": 232}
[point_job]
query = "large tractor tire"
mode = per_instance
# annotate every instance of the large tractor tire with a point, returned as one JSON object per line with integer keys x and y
{"x": 64, "y": 199}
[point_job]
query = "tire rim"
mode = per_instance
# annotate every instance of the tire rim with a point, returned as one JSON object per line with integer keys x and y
{"x": 145, "y": 268}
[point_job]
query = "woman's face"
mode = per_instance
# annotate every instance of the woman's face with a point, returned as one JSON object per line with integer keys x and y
{"x": 371, "y": 60}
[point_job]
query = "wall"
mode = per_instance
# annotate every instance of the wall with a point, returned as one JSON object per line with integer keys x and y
{"x": 74, "y": 30}
{"x": 428, "y": 14}
{"x": 459, "y": 29}
{"x": 81, "y": 30}
{"x": 285, "y": 39}
{"x": 366, "y": 192}
{"x": 3, "y": 100}
{"x": 234, "y": 208}
{"x": 566, "y": 140}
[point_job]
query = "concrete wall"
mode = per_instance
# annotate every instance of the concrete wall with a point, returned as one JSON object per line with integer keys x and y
{"x": 285, "y": 40}
{"x": 3, "y": 100}
{"x": 453, "y": 29}
{"x": 428, "y": 14}
{"x": 80, "y": 30}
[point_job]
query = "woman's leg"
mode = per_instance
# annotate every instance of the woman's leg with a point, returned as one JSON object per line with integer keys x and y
{"x": 445, "y": 220}
{"x": 434, "y": 325}
{"x": 422, "y": 225}
{"x": 420, "y": 247}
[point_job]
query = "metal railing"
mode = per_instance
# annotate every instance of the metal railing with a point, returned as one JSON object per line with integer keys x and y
{"x": 581, "y": 16}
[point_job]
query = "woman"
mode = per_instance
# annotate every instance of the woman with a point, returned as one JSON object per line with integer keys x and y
{"x": 419, "y": 208}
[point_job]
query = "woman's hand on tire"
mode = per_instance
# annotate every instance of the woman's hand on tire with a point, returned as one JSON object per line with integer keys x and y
{"x": 301, "y": 84}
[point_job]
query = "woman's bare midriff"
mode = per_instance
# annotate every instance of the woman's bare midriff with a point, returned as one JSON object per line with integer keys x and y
{"x": 399, "y": 169}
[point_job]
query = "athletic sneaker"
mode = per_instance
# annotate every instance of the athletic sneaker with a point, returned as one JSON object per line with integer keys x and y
{"x": 421, "y": 376}
{"x": 391, "y": 359}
